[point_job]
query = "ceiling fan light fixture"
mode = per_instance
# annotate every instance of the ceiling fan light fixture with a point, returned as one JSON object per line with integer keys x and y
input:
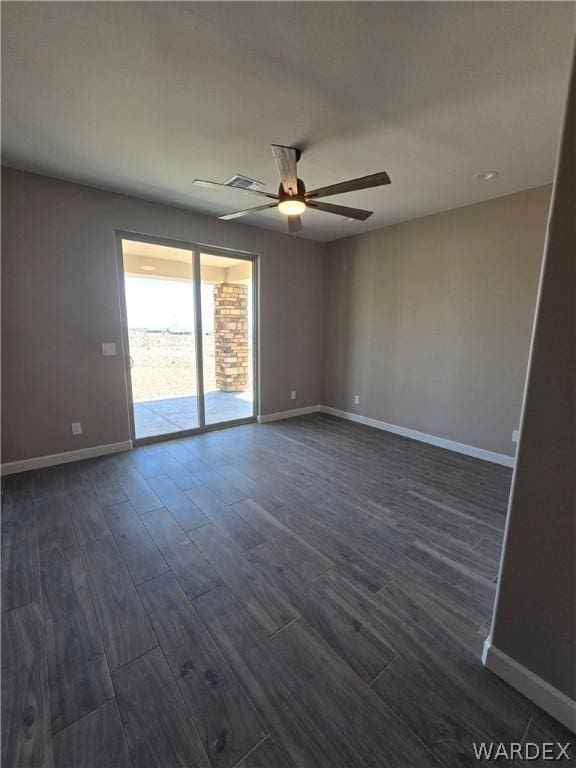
{"x": 292, "y": 206}
{"x": 292, "y": 199}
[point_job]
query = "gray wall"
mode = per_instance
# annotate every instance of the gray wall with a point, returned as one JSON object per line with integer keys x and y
{"x": 60, "y": 301}
{"x": 429, "y": 321}
{"x": 535, "y": 619}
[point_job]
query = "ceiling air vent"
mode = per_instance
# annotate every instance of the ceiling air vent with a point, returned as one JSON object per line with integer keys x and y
{"x": 243, "y": 182}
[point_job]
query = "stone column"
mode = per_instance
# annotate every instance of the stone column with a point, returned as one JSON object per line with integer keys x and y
{"x": 231, "y": 336}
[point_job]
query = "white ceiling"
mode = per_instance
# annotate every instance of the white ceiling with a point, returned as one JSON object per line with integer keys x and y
{"x": 150, "y": 250}
{"x": 144, "y": 97}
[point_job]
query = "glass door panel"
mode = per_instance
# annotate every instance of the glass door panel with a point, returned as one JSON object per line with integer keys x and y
{"x": 159, "y": 287}
{"x": 227, "y": 337}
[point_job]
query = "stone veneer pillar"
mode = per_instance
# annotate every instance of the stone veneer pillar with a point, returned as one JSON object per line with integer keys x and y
{"x": 231, "y": 336}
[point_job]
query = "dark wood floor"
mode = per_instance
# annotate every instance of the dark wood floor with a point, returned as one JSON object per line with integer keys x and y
{"x": 309, "y": 593}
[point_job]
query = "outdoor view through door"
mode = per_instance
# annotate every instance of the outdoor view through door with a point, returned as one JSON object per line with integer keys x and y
{"x": 183, "y": 306}
{"x": 227, "y": 337}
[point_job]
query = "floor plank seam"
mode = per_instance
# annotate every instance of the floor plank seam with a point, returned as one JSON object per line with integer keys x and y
{"x": 125, "y": 734}
{"x": 528, "y": 724}
{"x": 239, "y": 762}
{"x": 84, "y": 716}
{"x": 384, "y": 668}
{"x": 435, "y": 759}
{"x": 283, "y": 627}
{"x": 152, "y": 578}
{"x": 217, "y": 649}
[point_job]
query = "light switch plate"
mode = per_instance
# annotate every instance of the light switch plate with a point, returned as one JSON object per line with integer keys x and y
{"x": 108, "y": 348}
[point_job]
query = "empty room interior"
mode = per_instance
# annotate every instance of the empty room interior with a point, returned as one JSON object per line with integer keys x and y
{"x": 288, "y": 384}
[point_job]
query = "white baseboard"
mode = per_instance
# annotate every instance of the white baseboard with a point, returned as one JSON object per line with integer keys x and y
{"x": 266, "y": 417}
{"x": 423, "y": 437}
{"x": 550, "y": 699}
{"x": 65, "y": 458}
{"x": 102, "y": 450}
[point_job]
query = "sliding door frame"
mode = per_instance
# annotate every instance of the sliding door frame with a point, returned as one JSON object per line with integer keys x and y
{"x": 196, "y": 249}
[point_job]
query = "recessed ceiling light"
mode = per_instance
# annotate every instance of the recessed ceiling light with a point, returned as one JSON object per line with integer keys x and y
{"x": 147, "y": 268}
{"x": 485, "y": 176}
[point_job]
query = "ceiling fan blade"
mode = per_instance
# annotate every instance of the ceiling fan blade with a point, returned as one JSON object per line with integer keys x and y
{"x": 286, "y": 158}
{"x": 294, "y": 223}
{"x": 364, "y": 182}
{"x": 339, "y": 210}
{"x": 238, "y": 214}
{"x": 217, "y": 185}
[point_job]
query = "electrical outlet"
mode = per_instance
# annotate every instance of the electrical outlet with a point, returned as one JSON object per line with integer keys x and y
{"x": 293, "y": 395}
{"x": 108, "y": 348}
{"x": 515, "y": 436}
{"x": 76, "y": 428}
{"x": 356, "y": 399}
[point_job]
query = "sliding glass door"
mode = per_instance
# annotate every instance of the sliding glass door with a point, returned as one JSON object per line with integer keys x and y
{"x": 227, "y": 337}
{"x": 189, "y": 332}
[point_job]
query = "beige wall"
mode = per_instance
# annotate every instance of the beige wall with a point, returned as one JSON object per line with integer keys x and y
{"x": 535, "y": 619}
{"x": 429, "y": 321}
{"x": 60, "y": 301}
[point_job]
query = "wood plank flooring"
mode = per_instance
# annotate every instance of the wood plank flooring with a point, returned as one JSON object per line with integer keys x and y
{"x": 303, "y": 594}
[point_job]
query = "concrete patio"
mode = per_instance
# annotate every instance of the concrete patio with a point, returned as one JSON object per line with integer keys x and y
{"x": 162, "y": 417}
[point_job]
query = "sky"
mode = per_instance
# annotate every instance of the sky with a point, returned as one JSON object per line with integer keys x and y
{"x": 166, "y": 304}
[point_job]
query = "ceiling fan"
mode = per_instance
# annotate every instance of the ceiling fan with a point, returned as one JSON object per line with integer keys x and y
{"x": 293, "y": 199}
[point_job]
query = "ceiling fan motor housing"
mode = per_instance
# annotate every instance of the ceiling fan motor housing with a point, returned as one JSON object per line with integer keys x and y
{"x": 300, "y": 194}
